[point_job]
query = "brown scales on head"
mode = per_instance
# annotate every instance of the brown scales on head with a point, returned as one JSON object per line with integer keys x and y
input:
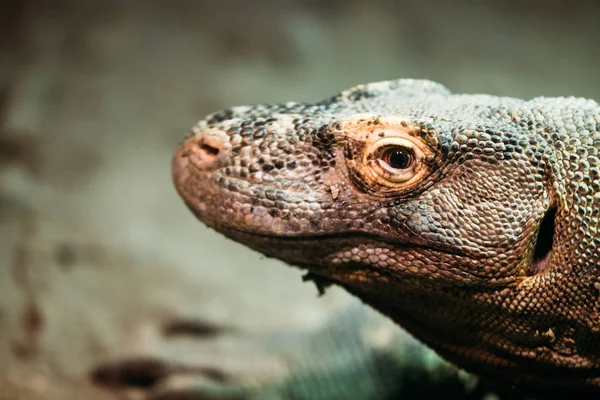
{"x": 471, "y": 220}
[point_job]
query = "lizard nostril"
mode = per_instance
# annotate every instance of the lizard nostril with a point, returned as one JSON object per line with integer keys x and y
{"x": 202, "y": 151}
{"x": 209, "y": 150}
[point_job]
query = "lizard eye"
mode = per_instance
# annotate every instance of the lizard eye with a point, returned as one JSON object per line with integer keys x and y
{"x": 395, "y": 162}
{"x": 392, "y": 157}
{"x": 397, "y": 158}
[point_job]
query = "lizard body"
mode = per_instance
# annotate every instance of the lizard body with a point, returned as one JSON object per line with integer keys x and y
{"x": 470, "y": 220}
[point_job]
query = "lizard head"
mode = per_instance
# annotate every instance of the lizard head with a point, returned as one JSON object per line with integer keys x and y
{"x": 389, "y": 181}
{"x": 437, "y": 209}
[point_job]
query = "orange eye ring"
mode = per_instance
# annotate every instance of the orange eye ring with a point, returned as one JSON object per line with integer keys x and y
{"x": 396, "y": 162}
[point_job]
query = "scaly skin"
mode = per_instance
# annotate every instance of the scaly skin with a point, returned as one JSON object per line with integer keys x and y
{"x": 483, "y": 242}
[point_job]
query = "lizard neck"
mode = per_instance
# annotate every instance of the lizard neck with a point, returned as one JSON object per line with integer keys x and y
{"x": 517, "y": 345}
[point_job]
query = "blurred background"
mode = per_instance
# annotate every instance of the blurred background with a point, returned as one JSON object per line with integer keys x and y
{"x": 95, "y": 95}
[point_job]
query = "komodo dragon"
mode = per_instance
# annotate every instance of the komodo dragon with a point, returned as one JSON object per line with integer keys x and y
{"x": 472, "y": 221}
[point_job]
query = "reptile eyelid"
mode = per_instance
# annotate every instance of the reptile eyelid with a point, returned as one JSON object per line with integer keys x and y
{"x": 381, "y": 173}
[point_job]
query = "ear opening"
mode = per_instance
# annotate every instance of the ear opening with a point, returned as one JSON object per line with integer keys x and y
{"x": 545, "y": 240}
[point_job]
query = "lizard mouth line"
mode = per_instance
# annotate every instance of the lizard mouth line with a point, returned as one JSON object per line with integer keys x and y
{"x": 340, "y": 236}
{"x": 253, "y": 235}
{"x": 264, "y": 243}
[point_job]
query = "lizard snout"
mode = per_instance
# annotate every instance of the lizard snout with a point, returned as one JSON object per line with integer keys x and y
{"x": 201, "y": 154}
{"x": 202, "y": 150}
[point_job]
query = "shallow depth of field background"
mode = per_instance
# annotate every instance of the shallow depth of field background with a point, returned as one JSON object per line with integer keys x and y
{"x": 95, "y": 95}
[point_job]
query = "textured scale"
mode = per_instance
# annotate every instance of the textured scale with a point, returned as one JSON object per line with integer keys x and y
{"x": 492, "y": 258}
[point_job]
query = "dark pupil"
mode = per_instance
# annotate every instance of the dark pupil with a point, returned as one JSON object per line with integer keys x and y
{"x": 399, "y": 158}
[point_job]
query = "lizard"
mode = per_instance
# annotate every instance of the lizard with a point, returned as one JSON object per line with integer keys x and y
{"x": 470, "y": 220}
